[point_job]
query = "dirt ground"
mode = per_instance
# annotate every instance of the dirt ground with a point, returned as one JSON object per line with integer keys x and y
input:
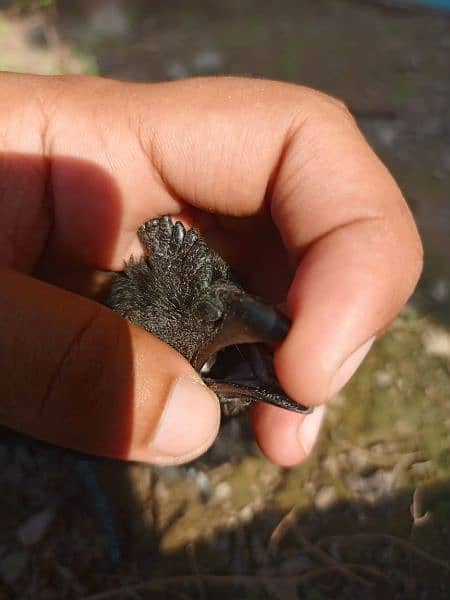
{"x": 369, "y": 514}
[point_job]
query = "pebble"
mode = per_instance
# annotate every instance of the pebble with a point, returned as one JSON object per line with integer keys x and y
{"x": 325, "y": 497}
{"x": 222, "y": 491}
{"x": 333, "y": 465}
{"x": 207, "y": 61}
{"x": 33, "y": 530}
{"x": 387, "y": 133}
{"x": 202, "y": 481}
{"x": 246, "y": 514}
{"x": 358, "y": 459}
{"x": 383, "y": 379}
{"x": 436, "y": 341}
{"x": 440, "y": 290}
{"x": 374, "y": 486}
{"x": 232, "y": 521}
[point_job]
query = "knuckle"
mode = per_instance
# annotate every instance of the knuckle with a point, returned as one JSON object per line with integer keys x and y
{"x": 320, "y": 104}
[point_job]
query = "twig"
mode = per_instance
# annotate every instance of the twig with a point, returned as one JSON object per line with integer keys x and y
{"x": 247, "y": 580}
{"x": 330, "y": 561}
{"x": 287, "y": 522}
{"x": 417, "y": 511}
{"x": 384, "y": 537}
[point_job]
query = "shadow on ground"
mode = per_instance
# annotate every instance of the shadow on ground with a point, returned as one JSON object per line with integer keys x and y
{"x": 396, "y": 544}
{"x": 332, "y": 553}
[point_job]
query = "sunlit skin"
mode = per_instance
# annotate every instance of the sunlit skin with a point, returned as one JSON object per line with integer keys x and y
{"x": 279, "y": 180}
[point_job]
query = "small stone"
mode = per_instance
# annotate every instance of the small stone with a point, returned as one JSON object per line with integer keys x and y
{"x": 332, "y": 465}
{"x": 358, "y": 459}
{"x": 383, "y": 379}
{"x": 374, "y": 486}
{"x": 387, "y": 133}
{"x": 437, "y": 341}
{"x": 208, "y": 61}
{"x": 202, "y": 481}
{"x": 222, "y": 491}
{"x": 311, "y": 488}
{"x": 325, "y": 497}
{"x": 33, "y": 530}
{"x": 232, "y": 521}
{"x": 440, "y": 290}
{"x": 246, "y": 514}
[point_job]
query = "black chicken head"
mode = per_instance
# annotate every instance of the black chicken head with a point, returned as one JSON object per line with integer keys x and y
{"x": 184, "y": 293}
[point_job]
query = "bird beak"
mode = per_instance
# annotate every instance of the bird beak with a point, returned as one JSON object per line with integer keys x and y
{"x": 244, "y": 365}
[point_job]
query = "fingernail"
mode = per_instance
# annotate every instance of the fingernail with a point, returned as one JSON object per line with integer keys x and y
{"x": 309, "y": 429}
{"x": 189, "y": 423}
{"x": 349, "y": 367}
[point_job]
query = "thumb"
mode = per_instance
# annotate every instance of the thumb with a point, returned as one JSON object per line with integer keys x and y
{"x": 74, "y": 373}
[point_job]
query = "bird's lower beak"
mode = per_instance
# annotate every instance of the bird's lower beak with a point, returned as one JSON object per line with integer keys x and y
{"x": 243, "y": 371}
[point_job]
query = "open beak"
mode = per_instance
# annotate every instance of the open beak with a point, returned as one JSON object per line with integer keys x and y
{"x": 238, "y": 364}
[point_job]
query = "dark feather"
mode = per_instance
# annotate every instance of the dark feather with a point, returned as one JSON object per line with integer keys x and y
{"x": 183, "y": 292}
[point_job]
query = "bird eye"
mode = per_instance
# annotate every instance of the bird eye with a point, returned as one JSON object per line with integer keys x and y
{"x": 208, "y": 311}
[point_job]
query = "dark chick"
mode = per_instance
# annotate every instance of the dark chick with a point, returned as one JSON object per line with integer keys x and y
{"x": 184, "y": 293}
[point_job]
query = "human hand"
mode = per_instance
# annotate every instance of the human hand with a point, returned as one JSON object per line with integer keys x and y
{"x": 322, "y": 226}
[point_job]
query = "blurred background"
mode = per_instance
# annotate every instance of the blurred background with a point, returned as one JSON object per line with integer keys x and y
{"x": 370, "y": 512}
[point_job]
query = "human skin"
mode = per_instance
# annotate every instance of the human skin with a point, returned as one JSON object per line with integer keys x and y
{"x": 276, "y": 176}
